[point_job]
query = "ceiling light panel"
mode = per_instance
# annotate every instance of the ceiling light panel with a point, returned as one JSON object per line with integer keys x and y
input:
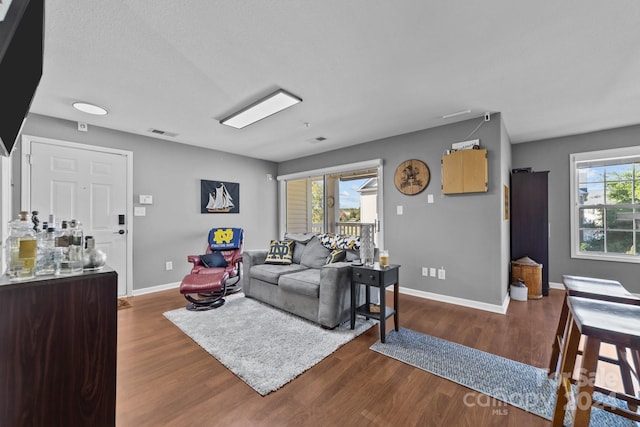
{"x": 274, "y": 103}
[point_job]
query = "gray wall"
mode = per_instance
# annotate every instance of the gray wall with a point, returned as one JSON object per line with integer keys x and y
{"x": 553, "y": 155}
{"x": 174, "y": 227}
{"x": 463, "y": 233}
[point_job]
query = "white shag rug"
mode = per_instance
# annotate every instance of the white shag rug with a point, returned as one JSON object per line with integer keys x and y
{"x": 263, "y": 346}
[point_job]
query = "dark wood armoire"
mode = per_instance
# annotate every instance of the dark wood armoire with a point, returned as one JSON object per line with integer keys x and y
{"x": 530, "y": 220}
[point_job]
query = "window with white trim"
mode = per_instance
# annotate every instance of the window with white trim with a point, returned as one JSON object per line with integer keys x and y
{"x": 605, "y": 205}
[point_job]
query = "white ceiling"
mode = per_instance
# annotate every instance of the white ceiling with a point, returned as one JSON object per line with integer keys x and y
{"x": 365, "y": 69}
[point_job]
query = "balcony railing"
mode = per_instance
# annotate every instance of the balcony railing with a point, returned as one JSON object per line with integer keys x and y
{"x": 346, "y": 228}
{"x": 349, "y": 228}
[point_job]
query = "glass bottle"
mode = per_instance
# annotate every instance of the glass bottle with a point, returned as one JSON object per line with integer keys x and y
{"x": 63, "y": 241}
{"x": 21, "y": 249}
{"x": 48, "y": 254}
{"x": 76, "y": 249}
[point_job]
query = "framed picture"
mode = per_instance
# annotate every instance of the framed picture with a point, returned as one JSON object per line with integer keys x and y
{"x": 219, "y": 197}
{"x": 506, "y": 203}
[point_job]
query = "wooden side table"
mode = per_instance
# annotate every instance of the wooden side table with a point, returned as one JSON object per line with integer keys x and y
{"x": 377, "y": 277}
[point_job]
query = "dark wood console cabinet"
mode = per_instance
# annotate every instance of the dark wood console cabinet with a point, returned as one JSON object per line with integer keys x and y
{"x": 58, "y": 339}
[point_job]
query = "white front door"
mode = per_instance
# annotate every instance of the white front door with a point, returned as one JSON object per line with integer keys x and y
{"x": 89, "y": 186}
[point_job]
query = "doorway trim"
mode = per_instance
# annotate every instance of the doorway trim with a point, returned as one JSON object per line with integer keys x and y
{"x": 25, "y": 187}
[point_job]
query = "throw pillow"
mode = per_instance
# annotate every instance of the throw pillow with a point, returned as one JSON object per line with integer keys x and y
{"x": 299, "y": 237}
{"x": 347, "y": 242}
{"x": 213, "y": 260}
{"x": 314, "y": 254}
{"x": 298, "y": 250}
{"x": 327, "y": 240}
{"x": 336, "y": 255}
{"x": 339, "y": 241}
{"x": 280, "y": 252}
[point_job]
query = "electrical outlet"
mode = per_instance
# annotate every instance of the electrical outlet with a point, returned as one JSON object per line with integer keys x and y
{"x": 441, "y": 274}
{"x": 432, "y": 272}
{"x": 168, "y": 265}
{"x": 425, "y": 271}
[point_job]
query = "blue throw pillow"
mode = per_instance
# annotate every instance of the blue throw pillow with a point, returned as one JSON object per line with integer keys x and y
{"x": 213, "y": 260}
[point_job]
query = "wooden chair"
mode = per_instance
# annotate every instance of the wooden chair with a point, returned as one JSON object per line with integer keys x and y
{"x": 598, "y": 289}
{"x": 598, "y": 322}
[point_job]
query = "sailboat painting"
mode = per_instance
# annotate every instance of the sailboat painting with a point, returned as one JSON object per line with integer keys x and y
{"x": 219, "y": 197}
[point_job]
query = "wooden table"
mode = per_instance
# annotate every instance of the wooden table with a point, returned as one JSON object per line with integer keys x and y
{"x": 377, "y": 277}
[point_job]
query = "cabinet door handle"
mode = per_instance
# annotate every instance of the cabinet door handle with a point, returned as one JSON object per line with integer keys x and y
{"x": 371, "y": 277}
{"x": 358, "y": 274}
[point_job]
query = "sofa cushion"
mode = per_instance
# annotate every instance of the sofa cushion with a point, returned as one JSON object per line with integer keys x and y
{"x": 315, "y": 254}
{"x": 280, "y": 252}
{"x": 271, "y": 272}
{"x": 306, "y": 282}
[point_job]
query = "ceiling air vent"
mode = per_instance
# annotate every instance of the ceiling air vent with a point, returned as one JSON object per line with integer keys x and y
{"x": 316, "y": 140}
{"x": 163, "y": 132}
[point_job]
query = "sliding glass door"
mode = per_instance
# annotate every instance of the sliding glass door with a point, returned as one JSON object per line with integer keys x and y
{"x": 333, "y": 201}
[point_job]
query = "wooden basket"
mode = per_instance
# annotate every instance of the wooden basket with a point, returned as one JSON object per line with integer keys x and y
{"x": 531, "y": 274}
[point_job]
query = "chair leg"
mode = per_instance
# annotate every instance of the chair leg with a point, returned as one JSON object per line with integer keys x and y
{"x": 625, "y": 373}
{"x": 559, "y": 338}
{"x": 586, "y": 382}
{"x": 567, "y": 364}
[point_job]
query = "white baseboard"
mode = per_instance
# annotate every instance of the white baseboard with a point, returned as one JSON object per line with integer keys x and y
{"x": 158, "y": 288}
{"x": 494, "y": 308}
{"x": 555, "y": 285}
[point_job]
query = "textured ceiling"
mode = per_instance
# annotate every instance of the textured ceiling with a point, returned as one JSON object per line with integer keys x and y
{"x": 364, "y": 69}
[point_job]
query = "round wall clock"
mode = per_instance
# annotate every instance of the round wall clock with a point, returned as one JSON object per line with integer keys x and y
{"x": 411, "y": 177}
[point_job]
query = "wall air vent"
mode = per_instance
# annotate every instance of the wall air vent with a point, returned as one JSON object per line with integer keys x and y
{"x": 162, "y": 132}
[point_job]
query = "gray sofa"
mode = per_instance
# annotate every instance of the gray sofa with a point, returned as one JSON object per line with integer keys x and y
{"x": 308, "y": 287}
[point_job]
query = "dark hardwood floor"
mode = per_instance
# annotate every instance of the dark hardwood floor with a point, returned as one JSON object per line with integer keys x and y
{"x": 166, "y": 379}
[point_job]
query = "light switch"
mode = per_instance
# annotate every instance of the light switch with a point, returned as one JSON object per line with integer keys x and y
{"x": 139, "y": 211}
{"x": 429, "y": 198}
{"x": 399, "y": 210}
{"x": 146, "y": 199}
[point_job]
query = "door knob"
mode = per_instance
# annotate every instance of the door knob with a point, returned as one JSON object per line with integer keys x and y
{"x": 119, "y": 232}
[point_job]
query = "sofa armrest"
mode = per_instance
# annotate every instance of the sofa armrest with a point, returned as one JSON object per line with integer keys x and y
{"x": 335, "y": 294}
{"x": 249, "y": 259}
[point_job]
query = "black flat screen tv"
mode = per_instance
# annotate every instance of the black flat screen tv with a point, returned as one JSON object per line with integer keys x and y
{"x": 21, "y": 57}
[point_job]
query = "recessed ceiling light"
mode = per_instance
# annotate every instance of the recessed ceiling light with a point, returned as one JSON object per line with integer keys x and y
{"x": 89, "y": 108}
{"x": 273, "y": 103}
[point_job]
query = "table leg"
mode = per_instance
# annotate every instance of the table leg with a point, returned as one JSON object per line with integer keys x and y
{"x": 367, "y": 299}
{"x": 353, "y": 305}
{"x": 383, "y": 311}
{"x": 396, "y": 322}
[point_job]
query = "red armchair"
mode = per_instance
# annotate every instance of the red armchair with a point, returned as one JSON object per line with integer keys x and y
{"x": 216, "y": 273}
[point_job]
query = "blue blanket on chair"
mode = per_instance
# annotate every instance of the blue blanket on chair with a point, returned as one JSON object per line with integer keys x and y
{"x": 225, "y": 238}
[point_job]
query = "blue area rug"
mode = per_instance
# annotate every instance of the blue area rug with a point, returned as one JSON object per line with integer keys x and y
{"x": 515, "y": 383}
